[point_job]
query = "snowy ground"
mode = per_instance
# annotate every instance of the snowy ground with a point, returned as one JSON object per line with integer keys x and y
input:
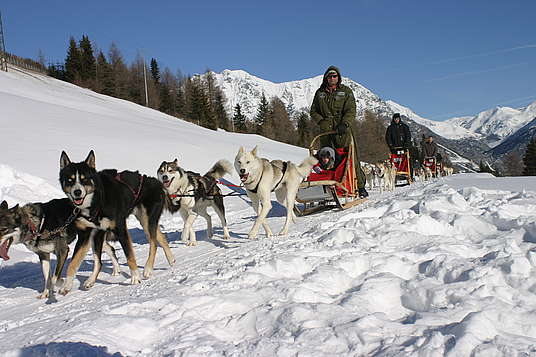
{"x": 446, "y": 268}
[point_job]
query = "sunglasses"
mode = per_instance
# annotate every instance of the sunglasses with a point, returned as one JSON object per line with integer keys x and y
{"x": 332, "y": 76}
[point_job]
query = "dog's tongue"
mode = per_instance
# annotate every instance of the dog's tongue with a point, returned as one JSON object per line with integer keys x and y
{"x": 4, "y": 248}
{"x": 79, "y": 201}
{"x": 244, "y": 177}
{"x": 167, "y": 183}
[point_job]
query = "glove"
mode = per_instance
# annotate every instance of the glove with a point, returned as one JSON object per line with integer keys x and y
{"x": 325, "y": 125}
{"x": 341, "y": 128}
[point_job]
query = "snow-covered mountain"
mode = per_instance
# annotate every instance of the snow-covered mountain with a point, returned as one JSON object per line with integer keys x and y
{"x": 247, "y": 90}
{"x": 516, "y": 142}
{"x": 445, "y": 129}
{"x": 496, "y": 124}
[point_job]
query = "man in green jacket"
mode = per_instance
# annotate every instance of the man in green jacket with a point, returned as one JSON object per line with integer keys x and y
{"x": 333, "y": 108}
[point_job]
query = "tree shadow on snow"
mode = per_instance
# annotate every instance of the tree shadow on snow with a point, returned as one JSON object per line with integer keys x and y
{"x": 67, "y": 349}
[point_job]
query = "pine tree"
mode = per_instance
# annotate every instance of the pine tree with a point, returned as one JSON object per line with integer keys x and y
{"x": 56, "y": 71}
{"x": 239, "y": 120}
{"x": 513, "y": 165}
{"x": 198, "y": 103}
{"x": 370, "y": 136}
{"x": 219, "y": 110}
{"x": 530, "y": 159}
{"x": 105, "y": 77}
{"x": 72, "y": 62}
{"x": 167, "y": 86}
{"x": 279, "y": 126}
{"x": 155, "y": 71}
{"x": 119, "y": 71}
{"x": 87, "y": 62}
{"x": 306, "y": 129}
{"x": 262, "y": 115}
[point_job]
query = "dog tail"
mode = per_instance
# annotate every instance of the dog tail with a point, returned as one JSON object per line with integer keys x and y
{"x": 220, "y": 169}
{"x": 304, "y": 169}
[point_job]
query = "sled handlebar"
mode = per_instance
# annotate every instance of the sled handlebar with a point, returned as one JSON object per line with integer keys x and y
{"x": 315, "y": 139}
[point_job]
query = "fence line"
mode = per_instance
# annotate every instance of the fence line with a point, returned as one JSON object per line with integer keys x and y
{"x": 24, "y": 63}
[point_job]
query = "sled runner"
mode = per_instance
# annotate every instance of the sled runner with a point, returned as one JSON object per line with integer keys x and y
{"x": 332, "y": 188}
{"x": 400, "y": 159}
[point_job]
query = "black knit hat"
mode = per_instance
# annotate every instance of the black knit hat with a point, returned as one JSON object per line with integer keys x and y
{"x": 396, "y": 115}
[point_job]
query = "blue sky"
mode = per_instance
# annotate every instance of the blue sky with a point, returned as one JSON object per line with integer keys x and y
{"x": 440, "y": 58}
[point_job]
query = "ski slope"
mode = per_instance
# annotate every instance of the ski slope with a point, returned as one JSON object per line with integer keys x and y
{"x": 445, "y": 268}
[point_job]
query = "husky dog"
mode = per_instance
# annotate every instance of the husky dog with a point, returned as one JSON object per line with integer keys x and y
{"x": 261, "y": 177}
{"x": 191, "y": 194}
{"x": 419, "y": 173}
{"x": 370, "y": 175}
{"x": 427, "y": 173}
{"x": 44, "y": 228}
{"x": 448, "y": 170}
{"x": 105, "y": 200}
{"x": 386, "y": 175}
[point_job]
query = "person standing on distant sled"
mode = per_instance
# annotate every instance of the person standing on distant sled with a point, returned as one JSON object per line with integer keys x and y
{"x": 397, "y": 135}
{"x": 334, "y": 108}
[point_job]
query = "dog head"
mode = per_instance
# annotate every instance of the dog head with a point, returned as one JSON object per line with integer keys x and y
{"x": 171, "y": 175}
{"x": 248, "y": 165}
{"x": 10, "y": 221}
{"x": 78, "y": 180}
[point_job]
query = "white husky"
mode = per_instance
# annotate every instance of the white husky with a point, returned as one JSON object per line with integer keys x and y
{"x": 386, "y": 175}
{"x": 261, "y": 177}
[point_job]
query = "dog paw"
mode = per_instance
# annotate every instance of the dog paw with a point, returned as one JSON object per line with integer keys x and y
{"x": 43, "y": 295}
{"x": 252, "y": 235}
{"x": 191, "y": 243}
{"x": 64, "y": 291}
{"x": 89, "y": 284}
{"x": 135, "y": 278}
{"x": 116, "y": 272}
{"x": 147, "y": 273}
{"x": 283, "y": 232}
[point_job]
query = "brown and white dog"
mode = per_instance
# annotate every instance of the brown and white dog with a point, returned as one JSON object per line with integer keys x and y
{"x": 191, "y": 194}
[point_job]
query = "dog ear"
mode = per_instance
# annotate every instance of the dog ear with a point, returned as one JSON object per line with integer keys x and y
{"x": 176, "y": 161}
{"x": 64, "y": 160}
{"x": 254, "y": 151}
{"x": 3, "y": 205}
{"x": 90, "y": 159}
{"x": 241, "y": 150}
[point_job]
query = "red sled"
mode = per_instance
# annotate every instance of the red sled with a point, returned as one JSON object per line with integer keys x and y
{"x": 330, "y": 188}
{"x": 433, "y": 165}
{"x": 400, "y": 160}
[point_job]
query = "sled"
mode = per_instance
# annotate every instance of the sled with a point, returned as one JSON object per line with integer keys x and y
{"x": 401, "y": 160}
{"x": 434, "y": 166}
{"x": 336, "y": 188}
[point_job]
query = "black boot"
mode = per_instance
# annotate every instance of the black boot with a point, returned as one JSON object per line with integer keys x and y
{"x": 362, "y": 192}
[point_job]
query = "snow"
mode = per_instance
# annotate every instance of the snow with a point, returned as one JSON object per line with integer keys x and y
{"x": 445, "y": 268}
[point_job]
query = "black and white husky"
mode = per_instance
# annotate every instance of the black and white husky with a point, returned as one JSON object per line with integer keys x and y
{"x": 105, "y": 200}
{"x": 261, "y": 177}
{"x": 43, "y": 228}
{"x": 191, "y": 194}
